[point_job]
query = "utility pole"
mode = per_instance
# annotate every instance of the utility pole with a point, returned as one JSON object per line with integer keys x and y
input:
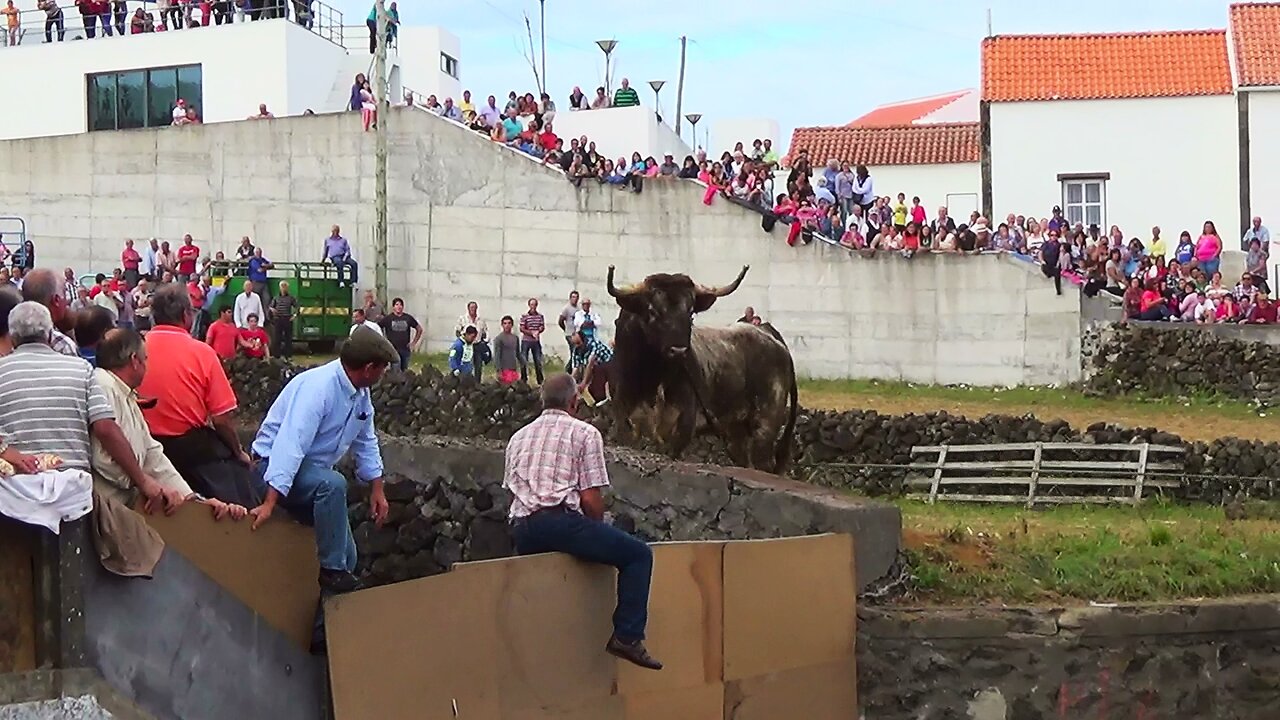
{"x": 680, "y": 87}
{"x": 380, "y": 156}
{"x": 542, "y": 30}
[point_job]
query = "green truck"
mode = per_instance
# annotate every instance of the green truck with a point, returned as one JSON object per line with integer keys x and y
{"x": 324, "y": 306}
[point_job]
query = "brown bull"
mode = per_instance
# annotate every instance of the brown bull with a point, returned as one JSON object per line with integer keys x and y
{"x": 671, "y": 378}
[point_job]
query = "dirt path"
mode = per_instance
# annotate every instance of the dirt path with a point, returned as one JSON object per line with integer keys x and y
{"x": 1193, "y": 423}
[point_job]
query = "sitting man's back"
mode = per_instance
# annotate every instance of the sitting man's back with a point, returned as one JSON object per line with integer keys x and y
{"x": 555, "y": 469}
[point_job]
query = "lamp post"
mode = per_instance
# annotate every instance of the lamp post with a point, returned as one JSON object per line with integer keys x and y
{"x": 657, "y": 104}
{"x": 693, "y": 119}
{"x": 607, "y": 47}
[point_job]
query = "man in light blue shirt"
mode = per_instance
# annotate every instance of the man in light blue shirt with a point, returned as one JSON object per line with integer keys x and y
{"x": 338, "y": 251}
{"x": 320, "y": 415}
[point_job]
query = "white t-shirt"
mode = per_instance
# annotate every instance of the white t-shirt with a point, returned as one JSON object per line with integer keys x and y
{"x": 179, "y": 113}
{"x": 366, "y": 323}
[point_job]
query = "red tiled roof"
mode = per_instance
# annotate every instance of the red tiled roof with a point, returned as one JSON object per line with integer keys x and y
{"x": 1120, "y": 65}
{"x": 908, "y": 111}
{"x": 1255, "y": 37}
{"x": 901, "y": 145}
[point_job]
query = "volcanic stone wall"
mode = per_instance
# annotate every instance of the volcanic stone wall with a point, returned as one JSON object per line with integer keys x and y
{"x": 1169, "y": 359}
{"x": 1214, "y": 660}
{"x": 857, "y": 449}
{"x": 447, "y": 504}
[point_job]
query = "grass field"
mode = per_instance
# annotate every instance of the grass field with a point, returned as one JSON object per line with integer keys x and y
{"x": 1155, "y": 552}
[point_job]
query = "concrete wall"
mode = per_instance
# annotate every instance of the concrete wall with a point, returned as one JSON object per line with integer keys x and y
{"x": 1173, "y": 161}
{"x": 470, "y": 220}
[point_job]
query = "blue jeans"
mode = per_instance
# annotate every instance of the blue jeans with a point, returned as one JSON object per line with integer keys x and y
{"x": 560, "y": 530}
{"x": 527, "y": 348}
{"x": 1210, "y": 267}
{"x": 404, "y": 354}
{"x": 319, "y": 498}
{"x": 342, "y": 266}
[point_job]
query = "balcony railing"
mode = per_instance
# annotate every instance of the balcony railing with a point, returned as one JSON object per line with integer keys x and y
{"x": 37, "y": 26}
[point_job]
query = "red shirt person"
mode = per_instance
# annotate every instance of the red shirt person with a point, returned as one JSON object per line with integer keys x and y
{"x": 130, "y": 260}
{"x": 188, "y": 254}
{"x": 1263, "y": 311}
{"x": 253, "y": 340}
{"x": 223, "y": 335}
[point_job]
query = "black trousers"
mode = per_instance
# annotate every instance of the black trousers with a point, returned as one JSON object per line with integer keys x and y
{"x": 50, "y": 23}
{"x": 1053, "y": 272}
{"x": 283, "y": 337}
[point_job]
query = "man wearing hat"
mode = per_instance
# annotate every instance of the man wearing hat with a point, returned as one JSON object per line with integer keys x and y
{"x": 320, "y": 415}
{"x": 1057, "y": 222}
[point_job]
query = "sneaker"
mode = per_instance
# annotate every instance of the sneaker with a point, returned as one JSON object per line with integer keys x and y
{"x": 338, "y": 581}
{"x": 634, "y": 653}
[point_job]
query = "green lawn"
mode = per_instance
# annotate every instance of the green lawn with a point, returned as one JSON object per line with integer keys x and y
{"x": 1160, "y": 551}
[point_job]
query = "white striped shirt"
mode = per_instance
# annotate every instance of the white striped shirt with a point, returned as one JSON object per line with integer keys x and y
{"x": 47, "y": 402}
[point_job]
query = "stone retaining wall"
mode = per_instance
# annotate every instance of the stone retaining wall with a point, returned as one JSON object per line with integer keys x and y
{"x": 448, "y": 505}
{"x": 1170, "y": 359}
{"x": 1195, "y": 661}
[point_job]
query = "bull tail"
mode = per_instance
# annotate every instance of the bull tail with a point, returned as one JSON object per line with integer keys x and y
{"x": 782, "y": 458}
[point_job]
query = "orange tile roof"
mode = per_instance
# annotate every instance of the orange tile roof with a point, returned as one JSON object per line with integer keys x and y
{"x": 1255, "y": 37}
{"x": 901, "y": 145}
{"x": 1094, "y": 67}
{"x": 908, "y": 111}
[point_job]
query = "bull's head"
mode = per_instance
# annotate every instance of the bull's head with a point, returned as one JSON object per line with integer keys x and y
{"x": 662, "y": 307}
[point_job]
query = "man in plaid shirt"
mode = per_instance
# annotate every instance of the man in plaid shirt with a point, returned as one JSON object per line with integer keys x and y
{"x": 555, "y": 471}
{"x": 589, "y": 361}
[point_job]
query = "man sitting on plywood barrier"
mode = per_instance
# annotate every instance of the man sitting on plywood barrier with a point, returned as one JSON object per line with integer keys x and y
{"x": 555, "y": 469}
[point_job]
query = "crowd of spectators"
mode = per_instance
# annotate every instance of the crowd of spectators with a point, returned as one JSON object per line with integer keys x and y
{"x": 108, "y": 18}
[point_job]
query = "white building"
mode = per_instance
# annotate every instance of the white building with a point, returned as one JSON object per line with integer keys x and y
{"x": 224, "y": 71}
{"x": 926, "y": 147}
{"x": 618, "y": 132}
{"x": 1127, "y": 129}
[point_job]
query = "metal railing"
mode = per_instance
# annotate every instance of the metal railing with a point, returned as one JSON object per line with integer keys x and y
{"x": 37, "y": 26}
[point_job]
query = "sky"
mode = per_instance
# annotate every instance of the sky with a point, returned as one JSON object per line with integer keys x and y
{"x": 824, "y": 62}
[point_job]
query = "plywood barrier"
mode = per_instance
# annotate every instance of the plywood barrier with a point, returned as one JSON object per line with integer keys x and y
{"x": 272, "y": 570}
{"x": 523, "y": 638}
{"x": 17, "y": 596}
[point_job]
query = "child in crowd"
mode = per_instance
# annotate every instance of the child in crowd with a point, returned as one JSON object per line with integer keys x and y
{"x": 900, "y": 213}
{"x": 253, "y": 340}
{"x": 462, "y": 356}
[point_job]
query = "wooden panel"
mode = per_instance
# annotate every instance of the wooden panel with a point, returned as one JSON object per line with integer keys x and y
{"x": 823, "y": 692}
{"x": 419, "y": 649}
{"x": 17, "y": 596}
{"x": 788, "y": 603}
{"x": 701, "y": 703}
{"x": 273, "y": 570}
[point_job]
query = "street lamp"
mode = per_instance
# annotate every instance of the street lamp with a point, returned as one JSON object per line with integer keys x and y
{"x": 607, "y": 47}
{"x": 657, "y": 104}
{"x": 693, "y": 119}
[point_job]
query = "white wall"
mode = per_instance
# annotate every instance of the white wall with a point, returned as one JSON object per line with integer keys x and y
{"x": 956, "y": 185}
{"x": 618, "y": 132}
{"x": 1264, "y": 160}
{"x": 1173, "y": 161}
{"x": 419, "y": 49}
{"x": 244, "y": 64}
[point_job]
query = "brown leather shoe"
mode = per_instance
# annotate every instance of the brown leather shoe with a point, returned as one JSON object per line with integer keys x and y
{"x": 633, "y": 653}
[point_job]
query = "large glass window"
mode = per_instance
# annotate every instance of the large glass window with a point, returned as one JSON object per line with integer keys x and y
{"x": 141, "y": 98}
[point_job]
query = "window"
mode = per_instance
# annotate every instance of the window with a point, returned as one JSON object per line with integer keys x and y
{"x": 141, "y": 98}
{"x": 449, "y": 65}
{"x": 1084, "y": 198}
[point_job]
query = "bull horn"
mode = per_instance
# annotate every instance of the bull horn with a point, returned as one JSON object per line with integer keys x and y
{"x": 613, "y": 289}
{"x": 727, "y": 289}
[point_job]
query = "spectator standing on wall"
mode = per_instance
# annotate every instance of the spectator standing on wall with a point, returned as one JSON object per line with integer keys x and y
{"x": 257, "y": 274}
{"x": 12, "y": 24}
{"x": 532, "y": 324}
{"x": 864, "y": 188}
{"x": 626, "y": 96}
{"x": 1209, "y": 249}
{"x": 396, "y": 327}
{"x": 601, "y": 100}
{"x": 1050, "y": 252}
{"x": 283, "y": 309}
{"x": 52, "y": 18}
{"x": 1256, "y": 231}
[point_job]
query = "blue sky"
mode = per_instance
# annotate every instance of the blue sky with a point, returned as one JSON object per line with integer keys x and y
{"x": 746, "y": 58}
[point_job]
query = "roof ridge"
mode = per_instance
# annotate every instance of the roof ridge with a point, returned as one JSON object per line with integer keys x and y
{"x": 902, "y": 126}
{"x": 954, "y": 94}
{"x": 1119, "y": 34}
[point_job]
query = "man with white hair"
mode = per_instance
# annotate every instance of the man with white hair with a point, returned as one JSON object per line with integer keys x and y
{"x": 51, "y": 404}
{"x": 41, "y": 286}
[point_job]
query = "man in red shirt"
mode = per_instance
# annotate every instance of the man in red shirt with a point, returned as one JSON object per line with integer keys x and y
{"x": 193, "y": 416}
{"x": 130, "y": 260}
{"x": 223, "y": 335}
{"x": 188, "y": 255}
{"x": 253, "y": 339}
{"x": 1263, "y": 311}
{"x": 196, "y": 292}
